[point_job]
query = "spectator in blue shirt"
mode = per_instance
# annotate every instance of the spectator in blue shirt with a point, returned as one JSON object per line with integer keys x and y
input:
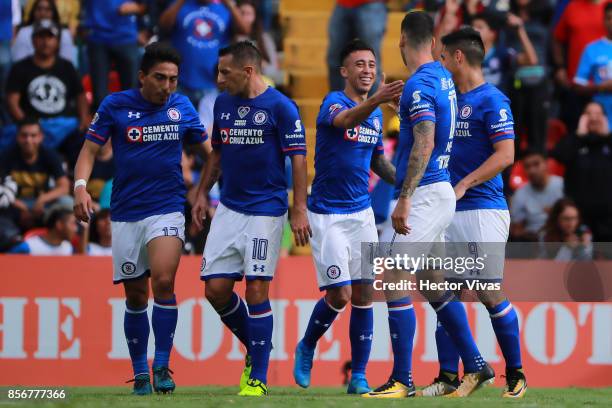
{"x": 112, "y": 36}
{"x": 198, "y": 29}
{"x": 594, "y": 74}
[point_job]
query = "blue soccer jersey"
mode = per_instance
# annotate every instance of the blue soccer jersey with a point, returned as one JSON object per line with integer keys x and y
{"x": 429, "y": 95}
{"x": 596, "y": 66}
{"x": 254, "y": 136}
{"x": 484, "y": 119}
{"x": 147, "y": 144}
{"x": 342, "y": 159}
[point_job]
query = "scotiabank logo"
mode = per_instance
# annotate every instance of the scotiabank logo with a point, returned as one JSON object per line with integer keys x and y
{"x": 134, "y": 134}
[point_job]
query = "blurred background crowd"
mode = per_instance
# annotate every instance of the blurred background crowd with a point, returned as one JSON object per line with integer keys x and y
{"x": 60, "y": 58}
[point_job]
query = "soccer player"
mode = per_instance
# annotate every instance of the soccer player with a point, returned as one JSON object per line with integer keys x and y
{"x": 255, "y": 128}
{"x": 424, "y": 205}
{"x": 147, "y": 127}
{"x": 482, "y": 148}
{"x": 349, "y": 142}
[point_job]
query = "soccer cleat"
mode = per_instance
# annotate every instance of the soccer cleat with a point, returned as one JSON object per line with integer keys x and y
{"x": 162, "y": 381}
{"x": 441, "y": 385}
{"x": 391, "y": 389}
{"x": 246, "y": 373}
{"x": 516, "y": 384}
{"x": 254, "y": 388}
{"x": 142, "y": 384}
{"x": 358, "y": 385}
{"x": 302, "y": 365}
{"x": 473, "y": 381}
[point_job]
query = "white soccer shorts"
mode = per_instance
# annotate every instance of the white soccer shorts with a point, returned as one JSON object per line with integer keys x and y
{"x": 479, "y": 233}
{"x": 241, "y": 245}
{"x": 432, "y": 209}
{"x": 336, "y": 246}
{"x": 130, "y": 239}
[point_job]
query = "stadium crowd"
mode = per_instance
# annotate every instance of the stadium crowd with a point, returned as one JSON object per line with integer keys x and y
{"x": 60, "y": 58}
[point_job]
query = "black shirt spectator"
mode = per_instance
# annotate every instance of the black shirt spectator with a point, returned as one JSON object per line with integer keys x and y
{"x": 587, "y": 156}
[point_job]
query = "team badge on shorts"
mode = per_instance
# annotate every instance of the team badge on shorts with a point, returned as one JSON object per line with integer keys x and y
{"x": 260, "y": 117}
{"x": 174, "y": 114}
{"x": 466, "y": 111}
{"x": 128, "y": 268}
{"x": 333, "y": 272}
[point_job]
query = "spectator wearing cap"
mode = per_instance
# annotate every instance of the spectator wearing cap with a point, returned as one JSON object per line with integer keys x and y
{"x": 112, "y": 37}
{"x": 198, "y": 29}
{"x": 48, "y": 87}
{"x": 580, "y": 24}
{"x": 42, "y": 10}
{"x": 38, "y": 172}
{"x": 531, "y": 203}
{"x": 587, "y": 156}
{"x": 594, "y": 74}
{"x": 61, "y": 226}
{"x": 364, "y": 19}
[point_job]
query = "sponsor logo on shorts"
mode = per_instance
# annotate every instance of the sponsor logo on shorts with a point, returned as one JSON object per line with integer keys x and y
{"x": 333, "y": 272}
{"x": 128, "y": 268}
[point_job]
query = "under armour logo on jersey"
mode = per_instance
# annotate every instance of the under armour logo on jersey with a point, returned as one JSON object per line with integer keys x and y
{"x": 261, "y": 343}
{"x": 225, "y": 116}
{"x": 134, "y": 340}
{"x": 134, "y": 115}
{"x": 259, "y": 268}
{"x": 503, "y": 115}
{"x": 394, "y": 336}
{"x": 363, "y": 337}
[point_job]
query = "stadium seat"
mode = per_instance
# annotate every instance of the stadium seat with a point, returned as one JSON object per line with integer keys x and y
{"x": 556, "y": 131}
{"x": 34, "y": 232}
{"x": 113, "y": 85}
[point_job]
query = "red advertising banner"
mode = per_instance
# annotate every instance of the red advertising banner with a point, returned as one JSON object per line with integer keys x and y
{"x": 61, "y": 323}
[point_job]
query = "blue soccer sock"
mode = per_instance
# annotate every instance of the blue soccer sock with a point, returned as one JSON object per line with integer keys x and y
{"x": 505, "y": 325}
{"x": 136, "y": 328}
{"x": 323, "y": 315}
{"x": 361, "y": 333}
{"x": 260, "y": 336}
{"x": 402, "y": 325}
{"x": 454, "y": 320}
{"x": 165, "y": 316}
{"x": 236, "y": 317}
{"x": 447, "y": 352}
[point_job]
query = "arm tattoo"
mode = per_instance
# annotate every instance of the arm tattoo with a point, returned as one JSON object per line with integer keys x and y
{"x": 424, "y": 133}
{"x": 214, "y": 176}
{"x": 383, "y": 168}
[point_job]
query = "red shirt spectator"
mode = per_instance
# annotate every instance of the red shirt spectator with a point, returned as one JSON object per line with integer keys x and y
{"x": 580, "y": 24}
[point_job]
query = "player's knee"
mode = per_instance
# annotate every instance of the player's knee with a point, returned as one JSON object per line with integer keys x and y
{"x": 491, "y": 298}
{"x": 338, "y": 297}
{"x": 136, "y": 299}
{"x": 217, "y": 295}
{"x": 162, "y": 285}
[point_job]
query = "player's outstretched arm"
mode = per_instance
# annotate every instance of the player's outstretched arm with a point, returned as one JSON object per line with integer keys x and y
{"x": 208, "y": 178}
{"x": 424, "y": 134}
{"x": 83, "y": 206}
{"x": 386, "y": 93}
{"x": 383, "y": 168}
{"x": 299, "y": 219}
{"x": 502, "y": 157}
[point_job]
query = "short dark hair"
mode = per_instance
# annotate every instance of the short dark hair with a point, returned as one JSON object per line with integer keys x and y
{"x": 355, "y": 45}
{"x": 418, "y": 27}
{"x": 158, "y": 52}
{"x": 244, "y": 52}
{"x": 28, "y": 121}
{"x": 468, "y": 41}
{"x": 608, "y": 7}
{"x": 489, "y": 18}
{"x": 532, "y": 151}
{"x": 55, "y": 216}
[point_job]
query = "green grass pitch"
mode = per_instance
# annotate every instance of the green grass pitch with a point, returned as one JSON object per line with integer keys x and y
{"x": 210, "y": 396}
